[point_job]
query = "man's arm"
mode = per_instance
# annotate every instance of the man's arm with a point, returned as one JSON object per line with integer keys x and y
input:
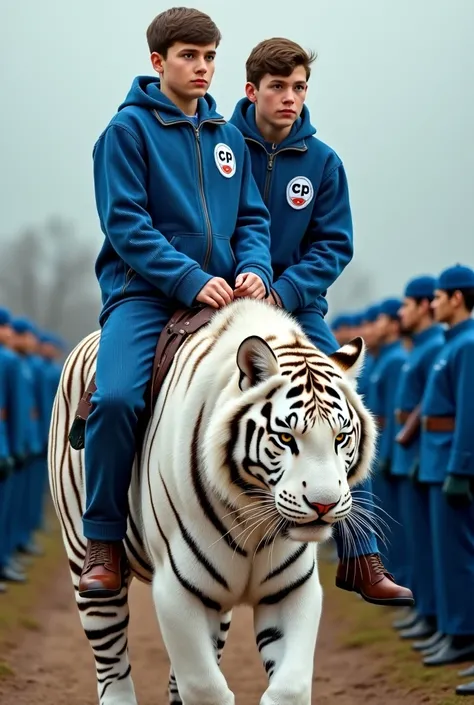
{"x": 120, "y": 177}
{"x": 251, "y": 240}
{"x": 331, "y": 247}
{"x": 461, "y": 461}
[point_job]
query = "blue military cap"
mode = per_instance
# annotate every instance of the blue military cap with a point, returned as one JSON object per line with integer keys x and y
{"x": 357, "y": 319}
{"x": 371, "y": 314}
{"x": 390, "y": 307}
{"x": 5, "y": 316}
{"x": 421, "y": 287}
{"x": 345, "y": 320}
{"x": 21, "y": 325}
{"x": 457, "y": 277}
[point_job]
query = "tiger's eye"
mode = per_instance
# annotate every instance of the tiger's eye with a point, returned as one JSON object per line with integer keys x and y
{"x": 285, "y": 438}
{"x": 340, "y": 437}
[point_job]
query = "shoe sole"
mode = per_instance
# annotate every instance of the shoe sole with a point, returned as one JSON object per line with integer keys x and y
{"x": 100, "y": 593}
{"x": 389, "y": 602}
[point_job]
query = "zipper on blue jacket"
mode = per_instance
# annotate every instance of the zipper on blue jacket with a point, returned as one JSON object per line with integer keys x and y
{"x": 205, "y": 208}
{"x": 271, "y": 156}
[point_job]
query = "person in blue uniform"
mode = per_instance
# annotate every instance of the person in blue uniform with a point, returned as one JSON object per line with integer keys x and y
{"x": 17, "y": 424}
{"x": 427, "y": 337}
{"x": 447, "y": 465}
{"x": 184, "y": 224}
{"x": 381, "y": 400}
{"x": 304, "y": 185}
{"x": 26, "y": 496}
{"x": 6, "y": 459}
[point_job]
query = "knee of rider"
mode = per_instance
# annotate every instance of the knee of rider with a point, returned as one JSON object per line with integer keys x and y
{"x": 118, "y": 402}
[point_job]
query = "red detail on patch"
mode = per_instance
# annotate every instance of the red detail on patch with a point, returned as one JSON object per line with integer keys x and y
{"x": 226, "y": 169}
{"x": 298, "y": 201}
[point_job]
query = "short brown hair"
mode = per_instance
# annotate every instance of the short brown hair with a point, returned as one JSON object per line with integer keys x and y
{"x": 278, "y": 57}
{"x": 181, "y": 24}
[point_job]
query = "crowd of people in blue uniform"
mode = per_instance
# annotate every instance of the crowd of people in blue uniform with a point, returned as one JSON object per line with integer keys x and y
{"x": 29, "y": 375}
{"x": 418, "y": 381}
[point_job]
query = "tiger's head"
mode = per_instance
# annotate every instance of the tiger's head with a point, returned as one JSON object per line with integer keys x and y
{"x": 296, "y": 428}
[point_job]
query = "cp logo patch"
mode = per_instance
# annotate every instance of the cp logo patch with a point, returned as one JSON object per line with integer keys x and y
{"x": 299, "y": 192}
{"x": 225, "y": 160}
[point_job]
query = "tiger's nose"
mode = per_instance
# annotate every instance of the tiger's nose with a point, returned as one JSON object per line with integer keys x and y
{"x": 323, "y": 509}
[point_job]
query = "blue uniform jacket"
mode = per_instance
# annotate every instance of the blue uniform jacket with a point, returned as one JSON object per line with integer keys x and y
{"x": 382, "y": 392}
{"x": 411, "y": 385}
{"x": 42, "y": 391}
{"x": 177, "y": 201}
{"x": 304, "y": 185}
{"x": 449, "y": 392}
{"x": 4, "y": 410}
{"x": 16, "y": 404}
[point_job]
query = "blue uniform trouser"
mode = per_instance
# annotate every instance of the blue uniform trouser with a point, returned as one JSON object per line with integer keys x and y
{"x": 350, "y": 541}
{"x": 415, "y": 514}
{"x": 453, "y": 548}
{"x": 124, "y": 365}
{"x": 395, "y": 553}
{"x": 5, "y": 498}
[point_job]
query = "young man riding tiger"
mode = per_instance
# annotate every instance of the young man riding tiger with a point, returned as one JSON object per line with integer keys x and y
{"x": 184, "y": 223}
{"x": 304, "y": 186}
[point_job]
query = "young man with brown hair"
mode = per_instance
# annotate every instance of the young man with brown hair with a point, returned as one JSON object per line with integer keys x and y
{"x": 304, "y": 186}
{"x": 184, "y": 223}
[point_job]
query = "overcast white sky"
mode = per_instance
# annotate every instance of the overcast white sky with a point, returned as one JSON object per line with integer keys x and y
{"x": 392, "y": 92}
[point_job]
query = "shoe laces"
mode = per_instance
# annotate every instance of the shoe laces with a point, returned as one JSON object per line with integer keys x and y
{"x": 99, "y": 553}
{"x": 376, "y": 564}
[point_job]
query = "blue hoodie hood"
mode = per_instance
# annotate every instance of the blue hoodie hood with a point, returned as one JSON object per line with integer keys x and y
{"x": 244, "y": 118}
{"x": 304, "y": 186}
{"x": 145, "y": 93}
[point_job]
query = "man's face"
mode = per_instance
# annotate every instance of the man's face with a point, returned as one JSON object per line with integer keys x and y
{"x": 279, "y": 100}
{"x": 368, "y": 333}
{"x": 443, "y": 306}
{"x": 381, "y": 328}
{"x": 187, "y": 70}
{"x": 6, "y": 335}
{"x": 410, "y": 314}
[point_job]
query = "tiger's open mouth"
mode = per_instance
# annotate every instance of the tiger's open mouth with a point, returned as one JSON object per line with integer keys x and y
{"x": 302, "y": 525}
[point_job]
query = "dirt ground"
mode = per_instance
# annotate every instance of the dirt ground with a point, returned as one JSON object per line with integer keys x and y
{"x": 52, "y": 664}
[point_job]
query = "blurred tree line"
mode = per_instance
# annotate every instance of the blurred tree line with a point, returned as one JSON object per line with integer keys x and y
{"x": 47, "y": 274}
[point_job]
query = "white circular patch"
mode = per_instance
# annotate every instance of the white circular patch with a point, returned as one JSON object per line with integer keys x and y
{"x": 225, "y": 160}
{"x": 299, "y": 192}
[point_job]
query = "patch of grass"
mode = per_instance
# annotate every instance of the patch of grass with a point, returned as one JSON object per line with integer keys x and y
{"x": 5, "y": 670}
{"x": 18, "y": 605}
{"x": 368, "y": 627}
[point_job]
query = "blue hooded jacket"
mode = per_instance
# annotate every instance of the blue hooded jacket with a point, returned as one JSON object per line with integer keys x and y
{"x": 304, "y": 186}
{"x": 176, "y": 200}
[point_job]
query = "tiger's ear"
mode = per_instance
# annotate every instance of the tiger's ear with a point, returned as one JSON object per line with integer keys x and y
{"x": 256, "y": 362}
{"x": 350, "y": 358}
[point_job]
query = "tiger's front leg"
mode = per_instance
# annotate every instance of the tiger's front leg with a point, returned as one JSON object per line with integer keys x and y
{"x": 286, "y": 627}
{"x": 188, "y": 627}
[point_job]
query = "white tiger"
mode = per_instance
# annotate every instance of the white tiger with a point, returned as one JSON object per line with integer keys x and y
{"x": 247, "y": 461}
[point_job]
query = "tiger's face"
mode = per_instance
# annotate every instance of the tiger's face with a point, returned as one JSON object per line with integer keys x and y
{"x": 301, "y": 434}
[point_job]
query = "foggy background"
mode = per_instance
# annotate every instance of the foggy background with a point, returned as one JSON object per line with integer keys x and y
{"x": 392, "y": 92}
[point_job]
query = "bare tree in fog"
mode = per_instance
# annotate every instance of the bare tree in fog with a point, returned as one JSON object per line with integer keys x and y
{"x": 48, "y": 275}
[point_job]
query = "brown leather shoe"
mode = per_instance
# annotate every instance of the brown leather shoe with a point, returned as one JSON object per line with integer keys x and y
{"x": 103, "y": 570}
{"x": 367, "y": 576}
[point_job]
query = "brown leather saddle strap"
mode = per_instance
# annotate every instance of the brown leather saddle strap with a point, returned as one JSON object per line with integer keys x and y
{"x": 181, "y": 325}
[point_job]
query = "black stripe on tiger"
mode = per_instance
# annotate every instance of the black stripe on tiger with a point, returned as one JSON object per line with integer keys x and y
{"x": 189, "y": 541}
{"x": 286, "y": 564}
{"x": 200, "y": 491}
{"x": 276, "y": 597}
{"x": 205, "y": 599}
{"x": 268, "y": 636}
